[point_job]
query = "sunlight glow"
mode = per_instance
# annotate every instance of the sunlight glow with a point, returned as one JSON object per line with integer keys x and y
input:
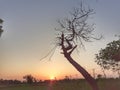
{"x": 52, "y": 78}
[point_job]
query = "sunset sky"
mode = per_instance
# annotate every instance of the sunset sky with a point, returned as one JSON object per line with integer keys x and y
{"x": 29, "y": 35}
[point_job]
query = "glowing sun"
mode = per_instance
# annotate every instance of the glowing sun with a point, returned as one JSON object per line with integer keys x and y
{"x": 52, "y": 77}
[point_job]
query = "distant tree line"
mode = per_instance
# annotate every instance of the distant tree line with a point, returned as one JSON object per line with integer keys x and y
{"x": 10, "y": 81}
{"x": 29, "y": 79}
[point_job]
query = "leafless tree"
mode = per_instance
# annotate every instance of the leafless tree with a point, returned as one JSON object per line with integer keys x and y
{"x": 73, "y": 32}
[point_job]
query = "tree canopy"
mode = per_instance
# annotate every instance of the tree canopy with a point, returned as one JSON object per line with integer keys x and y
{"x": 29, "y": 79}
{"x": 109, "y": 58}
{"x": 75, "y": 29}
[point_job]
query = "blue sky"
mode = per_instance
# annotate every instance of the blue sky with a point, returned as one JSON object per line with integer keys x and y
{"x": 29, "y": 35}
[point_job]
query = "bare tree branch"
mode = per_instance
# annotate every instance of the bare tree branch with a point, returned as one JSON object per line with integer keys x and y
{"x": 72, "y": 49}
{"x": 73, "y": 32}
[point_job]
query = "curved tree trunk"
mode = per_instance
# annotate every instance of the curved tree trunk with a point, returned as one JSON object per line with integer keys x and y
{"x": 86, "y": 75}
{"x": 119, "y": 73}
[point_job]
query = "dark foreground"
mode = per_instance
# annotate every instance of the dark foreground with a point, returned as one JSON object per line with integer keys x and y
{"x": 104, "y": 84}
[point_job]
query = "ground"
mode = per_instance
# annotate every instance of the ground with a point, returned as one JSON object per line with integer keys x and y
{"x": 104, "y": 84}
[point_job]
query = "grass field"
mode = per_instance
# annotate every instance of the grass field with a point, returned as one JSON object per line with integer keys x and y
{"x": 104, "y": 84}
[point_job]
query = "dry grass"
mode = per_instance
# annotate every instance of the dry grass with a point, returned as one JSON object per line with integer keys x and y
{"x": 104, "y": 84}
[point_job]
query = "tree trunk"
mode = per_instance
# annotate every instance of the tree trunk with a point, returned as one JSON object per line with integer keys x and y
{"x": 104, "y": 73}
{"x": 119, "y": 74}
{"x": 86, "y": 75}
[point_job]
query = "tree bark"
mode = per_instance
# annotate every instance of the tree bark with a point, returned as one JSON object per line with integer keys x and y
{"x": 119, "y": 74}
{"x": 92, "y": 82}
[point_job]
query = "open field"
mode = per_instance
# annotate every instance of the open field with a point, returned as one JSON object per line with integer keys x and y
{"x": 104, "y": 84}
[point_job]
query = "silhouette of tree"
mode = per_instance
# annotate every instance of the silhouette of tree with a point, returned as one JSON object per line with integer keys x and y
{"x": 10, "y": 81}
{"x": 29, "y": 79}
{"x": 1, "y": 30}
{"x": 67, "y": 78}
{"x": 99, "y": 76}
{"x": 73, "y": 32}
{"x": 109, "y": 58}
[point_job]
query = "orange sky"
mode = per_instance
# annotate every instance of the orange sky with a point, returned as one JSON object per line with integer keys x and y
{"x": 29, "y": 34}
